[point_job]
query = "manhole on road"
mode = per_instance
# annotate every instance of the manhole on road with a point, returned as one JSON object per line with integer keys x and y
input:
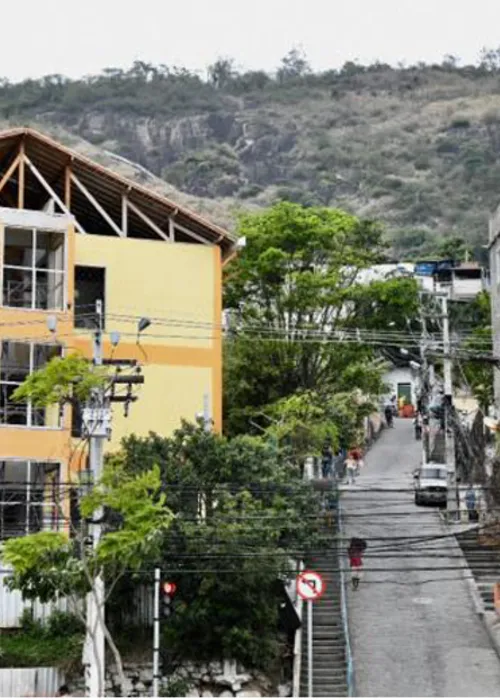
{"x": 422, "y": 601}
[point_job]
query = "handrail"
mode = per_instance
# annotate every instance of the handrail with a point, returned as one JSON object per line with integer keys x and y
{"x": 345, "y": 621}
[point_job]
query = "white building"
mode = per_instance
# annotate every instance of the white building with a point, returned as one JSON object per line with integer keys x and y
{"x": 403, "y": 382}
{"x": 462, "y": 281}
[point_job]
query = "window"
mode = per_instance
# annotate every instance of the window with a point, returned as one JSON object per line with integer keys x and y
{"x": 29, "y": 497}
{"x": 18, "y": 361}
{"x": 33, "y": 269}
{"x": 89, "y": 288}
{"x": 434, "y": 474}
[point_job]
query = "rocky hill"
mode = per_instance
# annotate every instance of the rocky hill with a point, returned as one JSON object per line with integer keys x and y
{"x": 417, "y": 147}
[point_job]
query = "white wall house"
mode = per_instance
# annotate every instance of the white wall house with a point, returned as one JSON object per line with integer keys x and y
{"x": 402, "y": 381}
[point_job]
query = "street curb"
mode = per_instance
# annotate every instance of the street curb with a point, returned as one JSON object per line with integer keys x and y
{"x": 466, "y": 571}
{"x": 490, "y": 619}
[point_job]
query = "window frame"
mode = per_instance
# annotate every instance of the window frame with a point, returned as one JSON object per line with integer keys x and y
{"x": 29, "y": 406}
{"x": 33, "y": 269}
{"x": 28, "y": 503}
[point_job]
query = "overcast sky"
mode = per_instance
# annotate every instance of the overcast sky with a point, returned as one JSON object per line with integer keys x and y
{"x": 74, "y": 38}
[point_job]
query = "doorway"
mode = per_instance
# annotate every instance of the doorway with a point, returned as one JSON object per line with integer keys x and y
{"x": 404, "y": 391}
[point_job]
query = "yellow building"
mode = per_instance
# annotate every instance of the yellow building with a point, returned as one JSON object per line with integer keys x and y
{"x": 72, "y": 232}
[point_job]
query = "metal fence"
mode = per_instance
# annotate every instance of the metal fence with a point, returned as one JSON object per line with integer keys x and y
{"x": 30, "y": 682}
{"x": 12, "y": 605}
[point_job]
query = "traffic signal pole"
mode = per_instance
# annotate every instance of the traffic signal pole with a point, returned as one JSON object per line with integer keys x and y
{"x": 156, "y": 635}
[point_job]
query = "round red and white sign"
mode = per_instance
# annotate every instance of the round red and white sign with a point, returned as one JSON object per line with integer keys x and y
{"x": 310, "y": 585}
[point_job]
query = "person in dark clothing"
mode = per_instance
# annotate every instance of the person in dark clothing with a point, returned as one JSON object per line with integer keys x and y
{"x": 326, "y": 462}
{"x": 470, "y": 502}
{"x": 389, "y": 415}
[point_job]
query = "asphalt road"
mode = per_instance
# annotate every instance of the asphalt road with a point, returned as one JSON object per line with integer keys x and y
{"x": 412, "y": 635}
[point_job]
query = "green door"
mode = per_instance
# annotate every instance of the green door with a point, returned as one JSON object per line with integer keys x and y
{"x": 404, "y": 391}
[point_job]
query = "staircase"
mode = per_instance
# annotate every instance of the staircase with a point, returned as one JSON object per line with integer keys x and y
{"x": 484, "y": 561}
{"x": 329, "y": 655}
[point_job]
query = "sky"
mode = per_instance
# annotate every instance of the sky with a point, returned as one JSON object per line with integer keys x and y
{"x": 81, "y": 38}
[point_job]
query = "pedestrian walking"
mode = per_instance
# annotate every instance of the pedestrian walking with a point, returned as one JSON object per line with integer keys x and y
{"x": 355, "y": 552}
{"x": 470, "y": 502}
{"x": 357, "y": 456}
{"x": 326, "y": 462}
{"x": 351, "y": 467}
{"x": 417, "y": 422}
{"x": 389, "y": 415}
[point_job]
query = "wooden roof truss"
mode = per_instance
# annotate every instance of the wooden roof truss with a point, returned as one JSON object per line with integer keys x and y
{"x": 37, "y": 173}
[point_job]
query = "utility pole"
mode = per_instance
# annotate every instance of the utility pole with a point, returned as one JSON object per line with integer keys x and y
{"x": 425, "y": 384}
{"x": 97, "y": 426}
{"x": 448, "y": 406}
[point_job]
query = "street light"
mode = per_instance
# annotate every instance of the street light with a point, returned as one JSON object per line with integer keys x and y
{"x": 143, "y": 324}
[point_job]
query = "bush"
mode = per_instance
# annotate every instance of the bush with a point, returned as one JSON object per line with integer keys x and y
{"x": 175, "y": 689}
{"x": 58, "y": 641}
{"x": 460, "y": 123}
{"x": 64, "y": 624}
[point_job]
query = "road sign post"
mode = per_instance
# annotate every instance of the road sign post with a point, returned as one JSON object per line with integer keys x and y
{"x": 310, "y": 586}
{"x": 310, "y": 647}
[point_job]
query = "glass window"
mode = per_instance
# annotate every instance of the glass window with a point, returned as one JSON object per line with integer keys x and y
{"x": 17, "y": 362}
{"x": 29, "y": 497}
{"x": 434, "y": 474}
{"x": 33, "y": 269}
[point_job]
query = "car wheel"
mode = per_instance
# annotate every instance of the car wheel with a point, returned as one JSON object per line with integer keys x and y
{"x": 417, "y": 500}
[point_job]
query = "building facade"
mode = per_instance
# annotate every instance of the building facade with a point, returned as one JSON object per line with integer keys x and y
{"x": 73, "y": 232}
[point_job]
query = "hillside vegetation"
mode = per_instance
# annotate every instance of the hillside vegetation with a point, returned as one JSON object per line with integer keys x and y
{"x": 417, "y": 147}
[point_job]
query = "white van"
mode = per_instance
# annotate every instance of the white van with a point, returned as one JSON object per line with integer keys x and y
{"x": 431, "y": 484}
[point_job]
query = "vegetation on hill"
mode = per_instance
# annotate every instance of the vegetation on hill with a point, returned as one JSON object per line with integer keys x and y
{"x": 416, "y": 147}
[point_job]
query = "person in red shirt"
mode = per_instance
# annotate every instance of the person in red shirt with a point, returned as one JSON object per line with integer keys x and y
{"x": 356, "y": 550}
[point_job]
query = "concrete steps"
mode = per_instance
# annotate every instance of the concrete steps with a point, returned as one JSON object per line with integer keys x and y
{"x": 329, "y": 660}
{"x": 484, "y": 562}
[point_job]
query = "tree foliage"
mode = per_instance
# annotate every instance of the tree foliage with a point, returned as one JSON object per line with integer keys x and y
{"x": 290, "y": 294}
{"x": 50, "y": 565}
{"x": 242, "y": 516}
{"x": 47, "y": 565}
{"x": 474, "y": 373}
{"x": 61, "y": 380}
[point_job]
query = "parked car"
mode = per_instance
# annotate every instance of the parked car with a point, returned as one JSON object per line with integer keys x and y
{"x": 431, "y": 484}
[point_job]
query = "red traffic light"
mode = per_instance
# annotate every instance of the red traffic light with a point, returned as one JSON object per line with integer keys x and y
{"x": 169, "y": 588}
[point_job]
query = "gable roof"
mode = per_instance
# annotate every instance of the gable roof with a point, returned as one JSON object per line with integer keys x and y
{"x": 51, "y": 159}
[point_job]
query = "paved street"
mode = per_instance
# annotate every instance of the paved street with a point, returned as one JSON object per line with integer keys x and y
{"x": 411, "y": 635}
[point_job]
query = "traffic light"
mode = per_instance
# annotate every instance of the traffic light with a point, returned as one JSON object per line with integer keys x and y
{"x": 167, "y": 593}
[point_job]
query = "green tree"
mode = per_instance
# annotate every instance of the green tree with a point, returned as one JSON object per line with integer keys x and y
{"x": 290, "y": 294}
{"x": 294, "y": 65}
{"x": 476, "y": 373}
{"x": 50, "y": 565}
{"x": 243, "y": 517}
{"x": 47, "y": 565}
{"x": 62, "y": 380}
